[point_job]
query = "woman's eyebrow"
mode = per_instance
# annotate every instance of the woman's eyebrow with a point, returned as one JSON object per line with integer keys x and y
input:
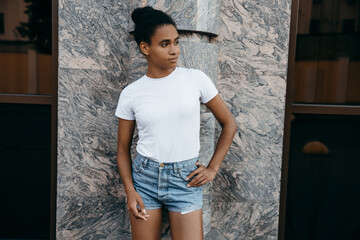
{"x": 168, "y": 40}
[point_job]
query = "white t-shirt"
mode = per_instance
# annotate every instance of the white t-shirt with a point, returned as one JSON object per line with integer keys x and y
{"x": 167, "y": 113}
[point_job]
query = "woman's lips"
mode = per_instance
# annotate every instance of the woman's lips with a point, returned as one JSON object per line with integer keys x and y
{"x": 173, "y": 59}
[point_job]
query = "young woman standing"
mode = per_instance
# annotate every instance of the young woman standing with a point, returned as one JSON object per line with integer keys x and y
{"x": 165, "y": 103}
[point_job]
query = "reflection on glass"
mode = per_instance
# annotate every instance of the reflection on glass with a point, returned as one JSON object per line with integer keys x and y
{"x": 25, "y": 152}
{"x": 327, "y": 61}
{"x": 25, "y": 47}
{"x": 323, "y": 182}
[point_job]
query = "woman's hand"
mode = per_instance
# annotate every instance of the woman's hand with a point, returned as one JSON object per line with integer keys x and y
{"x": 203, "y": 175}
{"x": 136, "y": 206}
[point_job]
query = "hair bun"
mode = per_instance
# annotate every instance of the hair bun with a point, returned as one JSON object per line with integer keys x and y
{"x": 138, "y": 13}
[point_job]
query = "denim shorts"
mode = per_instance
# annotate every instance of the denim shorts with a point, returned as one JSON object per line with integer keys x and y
{"x": 164, "y": 185}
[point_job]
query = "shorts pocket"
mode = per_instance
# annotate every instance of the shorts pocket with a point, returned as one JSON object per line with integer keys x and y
{"x": 136, "y": 164}
{"x": 184, "y": 172}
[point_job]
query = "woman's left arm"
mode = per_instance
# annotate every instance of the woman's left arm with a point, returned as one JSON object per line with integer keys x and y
{"x": 221, "y": 112}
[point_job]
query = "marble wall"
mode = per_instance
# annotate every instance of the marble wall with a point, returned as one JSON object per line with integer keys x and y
{"x": 247, "y": 62}
{"x": 192, "y": 15}
{"x": 93, "y": 68}
{"x": 253, "y": 52}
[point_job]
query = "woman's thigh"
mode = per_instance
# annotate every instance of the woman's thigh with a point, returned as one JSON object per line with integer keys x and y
{"x": 150, "y": 229}
{"x": 186, "y": 226}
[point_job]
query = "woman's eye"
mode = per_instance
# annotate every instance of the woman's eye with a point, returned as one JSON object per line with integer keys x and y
{"x": 164, "y": 44}
{"x": 176, "y": 42}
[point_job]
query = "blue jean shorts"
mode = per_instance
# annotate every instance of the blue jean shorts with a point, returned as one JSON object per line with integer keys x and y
{"x": 164, "y": 185}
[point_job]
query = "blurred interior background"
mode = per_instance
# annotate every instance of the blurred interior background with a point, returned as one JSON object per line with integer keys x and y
{"x": 322, "y": 193}
{"x": 27, "y": 119}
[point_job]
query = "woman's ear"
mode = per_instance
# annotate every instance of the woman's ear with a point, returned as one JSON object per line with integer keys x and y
{"x": 144, "y": 48}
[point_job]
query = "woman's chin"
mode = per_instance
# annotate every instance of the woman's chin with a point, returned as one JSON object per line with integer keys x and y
{"x": 172, "y": 66}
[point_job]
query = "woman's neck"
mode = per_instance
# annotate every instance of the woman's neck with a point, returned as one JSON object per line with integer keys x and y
{"x": 159, "y": 73}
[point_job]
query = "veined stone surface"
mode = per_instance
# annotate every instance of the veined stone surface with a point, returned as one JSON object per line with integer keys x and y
{"x": 253, "y": 52}
{"x": 189, "y": 15}
{"x": 93, "y": 34}
{"x": 247, "y": 62}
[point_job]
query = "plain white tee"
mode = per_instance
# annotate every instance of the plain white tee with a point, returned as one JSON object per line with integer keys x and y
{"x": 167, "y": 113}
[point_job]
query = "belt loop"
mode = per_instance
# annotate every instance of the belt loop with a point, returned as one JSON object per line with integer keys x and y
{"x": 146, "y": 160}
{"x": 174, "y": 167}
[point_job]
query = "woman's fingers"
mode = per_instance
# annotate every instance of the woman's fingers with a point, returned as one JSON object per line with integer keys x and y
{"x": 199, "y": 175}
{"x": 196, "y": 171}
{"x": 137, "y": 208}
{"x": 138, "y": 213}
{"x": 199, "y": 181}
{"x": 134, "y": 211}
{"x": 141, "y": 205}
{"x": 203, "y": 175}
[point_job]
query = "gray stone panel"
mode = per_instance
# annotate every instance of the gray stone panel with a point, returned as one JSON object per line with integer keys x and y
{"x": 253, "y": 181}
{"x": 93, "y": 34}
{"x": 253, "y": 52}
{"x": 248, "y": 64}
{"x": 189, "y": 15}
{"x": 250, "y": 220}
{"x": 96, "y": 217}
{"x": 90, "y": 197}
{"x": 255, "y": 31}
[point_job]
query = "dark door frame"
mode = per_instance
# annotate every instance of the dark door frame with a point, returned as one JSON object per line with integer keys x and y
{"x": 287, "y": 121}
{"x": 291, "y": 107}
{"x": 47, "y": 100}
{"x": 53, "y": 183}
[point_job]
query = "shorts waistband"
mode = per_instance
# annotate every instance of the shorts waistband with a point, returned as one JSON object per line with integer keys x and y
{"x": 174, "y": 165}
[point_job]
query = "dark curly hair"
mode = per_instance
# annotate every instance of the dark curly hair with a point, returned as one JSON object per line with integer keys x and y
{"x": 147, "y": 20}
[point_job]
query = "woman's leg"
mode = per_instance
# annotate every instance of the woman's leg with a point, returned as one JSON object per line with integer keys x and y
{"x": 150, "y": 229}
{"x": 186, "y": 226}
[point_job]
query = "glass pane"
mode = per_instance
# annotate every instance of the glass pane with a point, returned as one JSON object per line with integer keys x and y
{"x": 25, "y": 47}
{"x": 323, "y": 180}
{"x": 327, "y": 60}
{"x": 25, "y": 153}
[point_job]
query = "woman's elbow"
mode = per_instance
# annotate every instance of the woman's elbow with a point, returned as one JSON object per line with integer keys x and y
{"x": 229, "y": 124}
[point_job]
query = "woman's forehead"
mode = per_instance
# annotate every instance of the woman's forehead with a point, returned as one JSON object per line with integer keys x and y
{"x": 165, "y": 32}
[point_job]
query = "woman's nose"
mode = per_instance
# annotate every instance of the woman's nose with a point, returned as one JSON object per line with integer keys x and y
{"x": 174, "y": 49}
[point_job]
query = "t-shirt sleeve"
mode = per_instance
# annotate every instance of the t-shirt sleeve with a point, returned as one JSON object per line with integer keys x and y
{"x": 124, "y": 109}
{"x": 207, "y": 88}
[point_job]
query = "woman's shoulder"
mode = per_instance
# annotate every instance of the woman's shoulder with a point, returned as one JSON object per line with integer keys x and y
{"x": 190, "y": 70}
{"x": 133, "y": 86}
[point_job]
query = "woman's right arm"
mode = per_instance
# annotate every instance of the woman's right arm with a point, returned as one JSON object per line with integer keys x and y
{"x": 125, "y": 134}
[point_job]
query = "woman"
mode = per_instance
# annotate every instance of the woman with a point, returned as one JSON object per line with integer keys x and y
{"x": 165, "y": 104}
